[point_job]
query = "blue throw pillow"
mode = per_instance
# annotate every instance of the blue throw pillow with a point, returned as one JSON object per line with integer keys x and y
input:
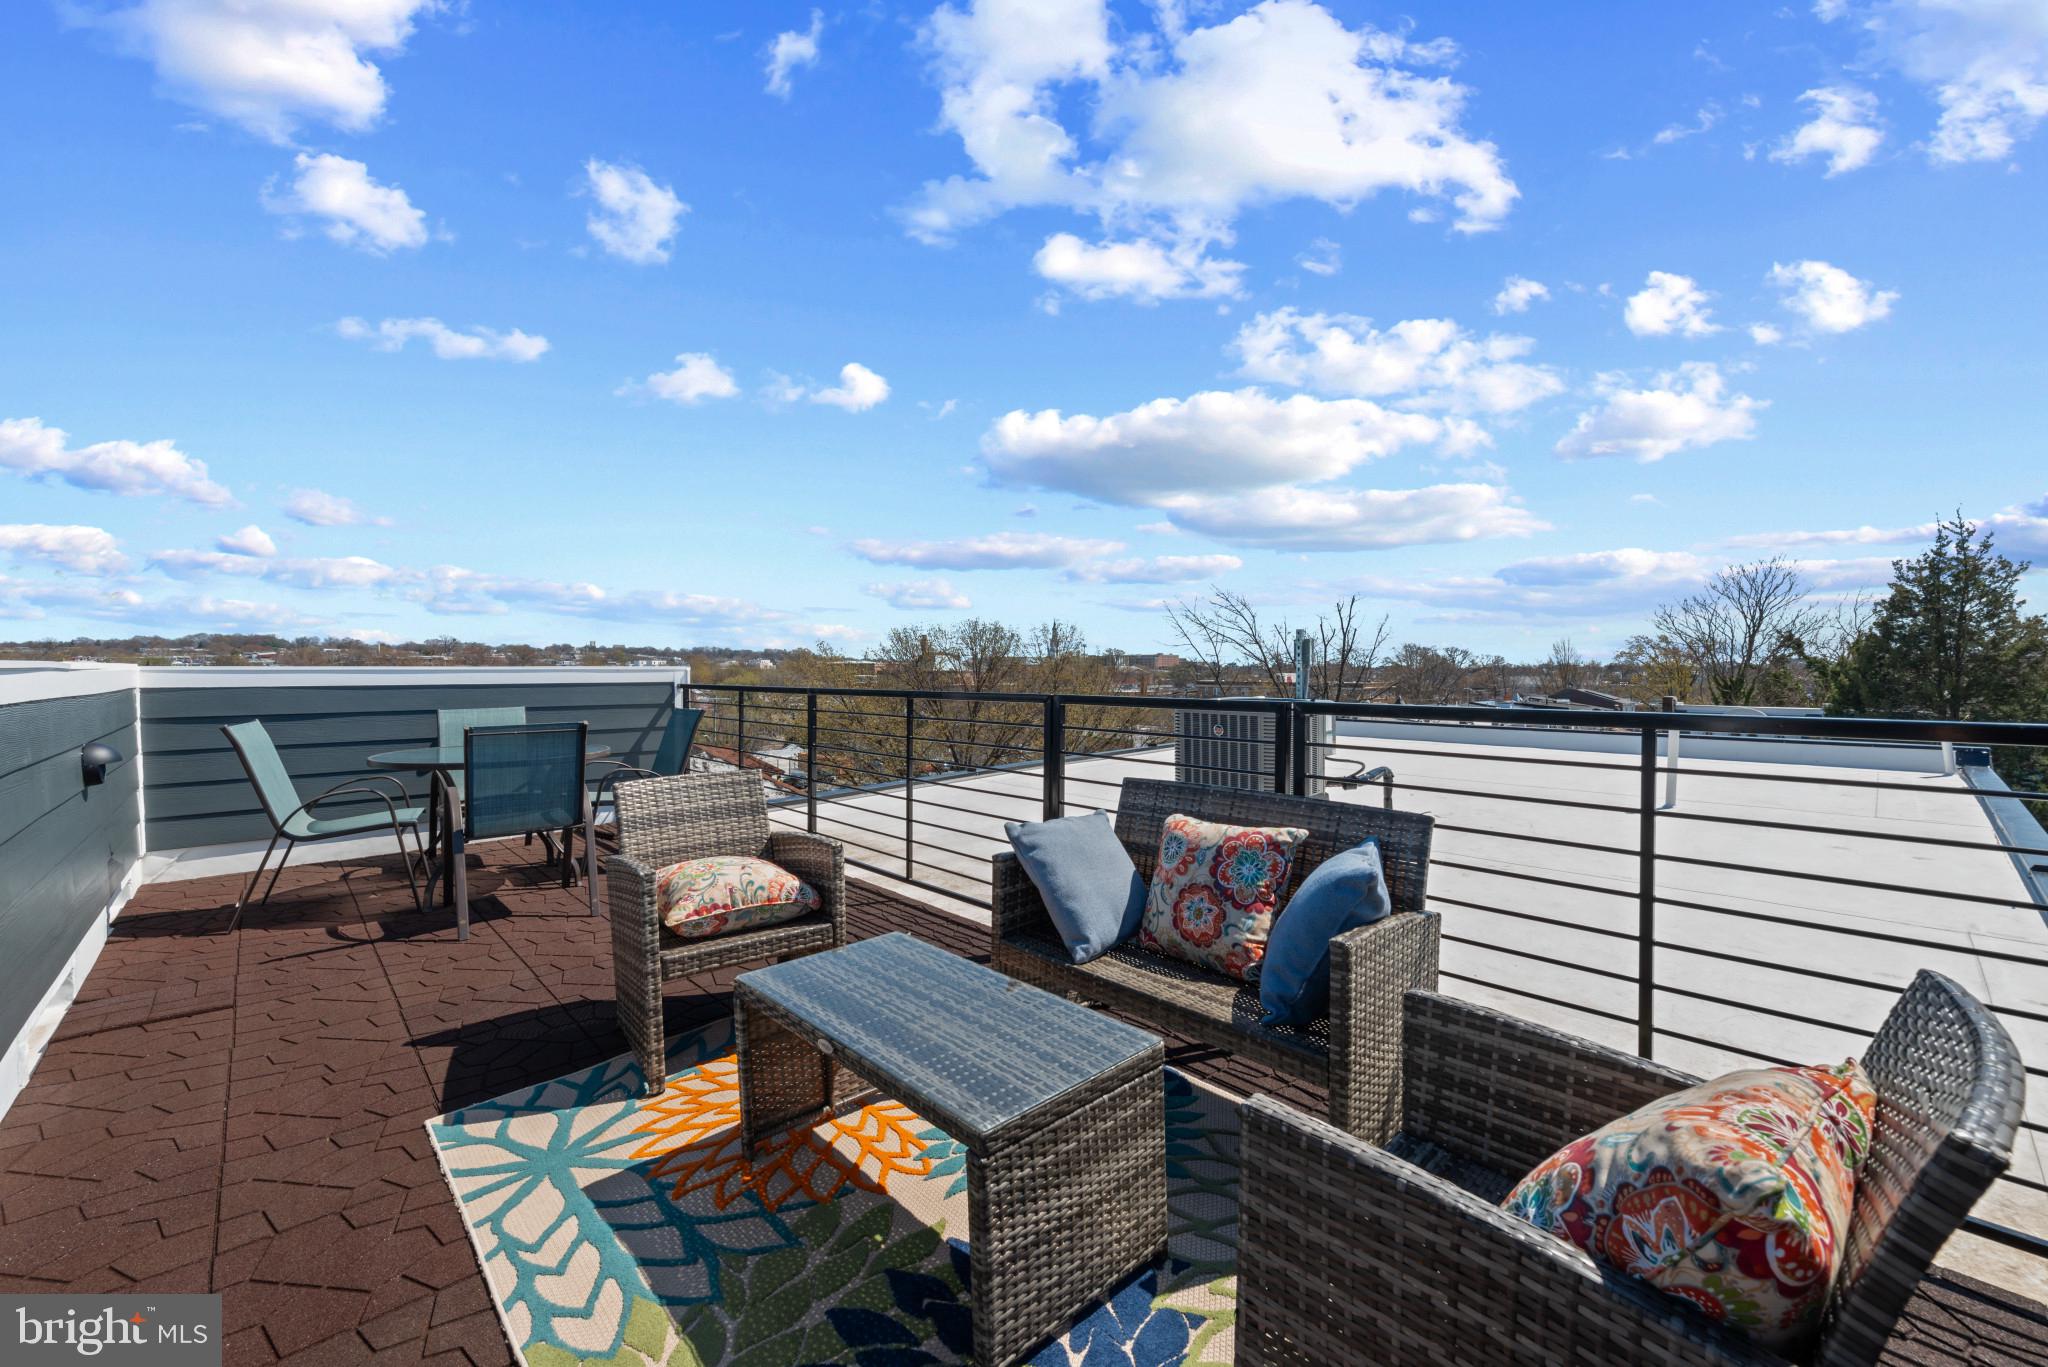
{"x": 1091, "y": 888}
{"x": 1347, "y": 890}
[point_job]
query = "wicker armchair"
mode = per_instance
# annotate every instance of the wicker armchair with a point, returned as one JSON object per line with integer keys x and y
{"x": 1355, "y": 1052}
{"x": 1401, "y": 1255}
{"x": 663, "y": 821}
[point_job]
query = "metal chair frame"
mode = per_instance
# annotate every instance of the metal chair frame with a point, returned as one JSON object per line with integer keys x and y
{"x": 620, "y": 771}
{"x": 348, "y": 787}
{"x": 458, "y": 833}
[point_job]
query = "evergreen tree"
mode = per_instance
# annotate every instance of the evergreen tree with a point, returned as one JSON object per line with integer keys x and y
{"x": 1949, "y": 640}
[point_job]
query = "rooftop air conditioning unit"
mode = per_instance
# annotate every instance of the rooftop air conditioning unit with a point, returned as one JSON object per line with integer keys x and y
{"x": 1231, "y": 749}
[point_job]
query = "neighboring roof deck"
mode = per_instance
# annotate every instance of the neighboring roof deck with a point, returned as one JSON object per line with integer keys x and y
{"x": 245, "y": 1112}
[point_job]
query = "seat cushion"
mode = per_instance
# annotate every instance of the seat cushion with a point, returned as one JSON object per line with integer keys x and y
{"x": 1178, "y": 996}
{"x": 1085, "y": 877}
{"x": 1346, "y": 891}
{"x": 1734, "y": 1195}
{"x": 713, "y": 896}
{"x": 303, "y": 826}
{"x": 1214, "y": 890}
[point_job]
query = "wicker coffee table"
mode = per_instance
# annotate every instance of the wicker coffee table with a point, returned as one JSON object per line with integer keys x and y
{"x": 1062, "y": 1112}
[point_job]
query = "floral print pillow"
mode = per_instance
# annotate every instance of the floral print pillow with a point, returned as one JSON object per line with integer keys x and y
{"x": 1215, "y": 891}
{"x": 1733, "y": 1195}
{"x": 701, "y": 897}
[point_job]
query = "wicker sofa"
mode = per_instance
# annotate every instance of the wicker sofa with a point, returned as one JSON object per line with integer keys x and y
{"x": 1355, "y": 1052}
{"x": 1349, "y": 1252}
{"x": 663, "y": 821}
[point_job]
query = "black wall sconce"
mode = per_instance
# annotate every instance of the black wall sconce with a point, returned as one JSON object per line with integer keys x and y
{"x": 93, "y": 761}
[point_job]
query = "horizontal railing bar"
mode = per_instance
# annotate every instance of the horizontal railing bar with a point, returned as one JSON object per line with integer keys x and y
{"x": 1532, "y": 878}
{"x": 1860, "y": 785}
{"x": 1754, "y": 1009}
{"x": 1408, "y": 786}
{"x": 1539, "y": 839}
{"x": 1532, "y": 916}
{"x": 1488, "y": 756}
{"x": 1887, "y": 729}
{"x": 1803, "y": 971}
{"x": 1885, "y": 936}
{"x": 1029, "y": 801}
{"x": 1840, "y": 880}
{"x": 1538, "y": 996}
{"x": 920, "y": 820}
{"x": 2020, "y": 1239}
{"x": 1450, "y": 939}
{"x": 1125, "y": 757}
{"x": 1802, "y": 828}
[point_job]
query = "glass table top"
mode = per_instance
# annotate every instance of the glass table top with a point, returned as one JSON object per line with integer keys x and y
{"x": 984, "y": 1046}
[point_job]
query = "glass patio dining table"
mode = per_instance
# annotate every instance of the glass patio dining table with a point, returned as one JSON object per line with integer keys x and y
{"x": 440, "y": 762}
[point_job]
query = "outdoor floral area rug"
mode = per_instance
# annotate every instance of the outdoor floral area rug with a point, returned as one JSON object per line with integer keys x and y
{"x": 625, "y": 1231}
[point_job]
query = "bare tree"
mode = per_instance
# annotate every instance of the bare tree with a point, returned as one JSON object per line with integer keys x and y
{"x": 1225, "y": 630}
{"x": 1744, "y": 625}
{"x": 1565, "y": 668}
{"x": 1431, "y": 674}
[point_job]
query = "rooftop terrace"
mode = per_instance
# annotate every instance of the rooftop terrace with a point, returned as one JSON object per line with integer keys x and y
{"x": 244, "y": 1112}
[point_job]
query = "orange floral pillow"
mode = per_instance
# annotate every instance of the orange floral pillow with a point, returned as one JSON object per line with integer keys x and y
{"x": 1215, "y": 890}
{"x": 1733, "y": 1195}
{"x": 703, "y": 897}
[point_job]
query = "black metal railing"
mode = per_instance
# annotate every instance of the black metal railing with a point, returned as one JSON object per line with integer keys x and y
{"x": 1664, "y": 944}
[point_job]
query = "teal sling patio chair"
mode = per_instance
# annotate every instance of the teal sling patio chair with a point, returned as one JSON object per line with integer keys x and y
{"x": 451, "y": 722}
{"x": 672, "y": 757}
{"x": 293, "y": 821}
{"x": 520, "y": 780}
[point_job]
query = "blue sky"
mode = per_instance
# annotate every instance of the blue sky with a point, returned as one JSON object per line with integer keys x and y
{"x": 690, "y": 322}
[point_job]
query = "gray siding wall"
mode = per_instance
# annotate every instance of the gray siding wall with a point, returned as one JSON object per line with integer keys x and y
{"x": 198, "y": 795}
{"x": 64, "y": 848}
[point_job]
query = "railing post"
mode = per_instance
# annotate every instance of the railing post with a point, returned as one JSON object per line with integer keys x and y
{"x": 811, "y": 761}
{"x": 909, "y": 784}
{"x": 1055, "y": 756}
{"x": 1283, "y": 747}
{"x": 1646, "y": 898}
{"x": 739, "y": 734}
{"x": 1297, "y": 755}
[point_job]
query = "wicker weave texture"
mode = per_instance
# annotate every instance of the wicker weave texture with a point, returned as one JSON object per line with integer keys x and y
{"x": 663, "y": 821}
{"x": 1350, "y": 1253}
{"x": 1355, "y": 1053}
{"x": 1064, "y": 1202}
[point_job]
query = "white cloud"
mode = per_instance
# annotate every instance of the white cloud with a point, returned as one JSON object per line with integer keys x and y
{"x": 1297, "y": 519}
{"x": 1233, "y": 465}
{"x": 1985, "y": 62}
{"x": 1424, "y": 362}
{"x": 1323, "y": 257}
{"x": 1669, "y": 304}
{"x": 309, "y": 572}
{"x": 1144, "y": 270}
{"x": 1158, "y": 569}
{"x": 996, "y": 551}
{"x": 358, "y": 211}
{"x": 1764, "y": 334}
{"x": 1191, "y": 125}
{"x": 1687, "y": 409}
{"x": 635, "y": 219}
{"x": 858, "y": 390}
{"x": 118, "y": 467}
{"x": 1828, "y": 298}
{"x": 1213, "y": 441}
{"x": 250, "y": 540}
{"x": 268, "y": 64}
{"x": 83, "y": 550}
{"x": 1709, "y": 114}
{"x": 698, "y": 376}
{"x": 317, "y": 508}
{"x": 1518, "y": 293}
{"x": 1844, "y": 129}
{"x": 921, "y": 594}
{"x": 790, "y": 50}
{"x": 479, "y": 343}
{"x": 27, "y": 598}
